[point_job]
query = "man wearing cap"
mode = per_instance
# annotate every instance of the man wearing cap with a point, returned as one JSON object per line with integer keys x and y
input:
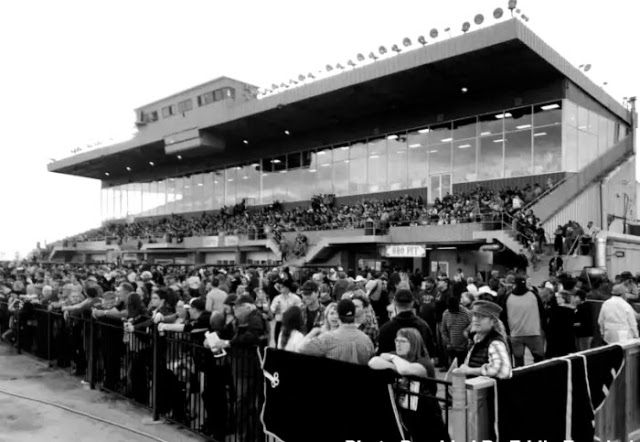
{"x": 617, "y": 319}
{"x": 216, "y": 297}
{"x": 313, "y": 311}
{"x": 346, "y": 343}
{"x": 523, "y": 315}
{"x": 198, "y": 324}
{"x": 341, "y": 285}
{"x": 283, "y": 301}
{"x": 405, "y": 317}
{"x": 250, "y": 327}
{"x": 488, "y": 355}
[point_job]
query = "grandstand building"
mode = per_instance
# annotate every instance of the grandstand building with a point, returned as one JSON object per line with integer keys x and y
{"x": 495, "y": 108}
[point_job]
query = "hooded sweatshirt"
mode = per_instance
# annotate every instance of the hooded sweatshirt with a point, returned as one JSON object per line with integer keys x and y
{"x": 407, "y": 319}
{"x": 523, "y": 312}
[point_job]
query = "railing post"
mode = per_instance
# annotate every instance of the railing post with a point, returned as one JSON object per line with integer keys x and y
{"x": 91, "y": 356}
{"x": 19, "y": 326}
{"x": 49, "y": 334}
{"x": 154, "y": 379}
{"x": 459, "y": 406}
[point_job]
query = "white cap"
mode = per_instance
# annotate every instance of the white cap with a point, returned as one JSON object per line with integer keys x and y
{"x": 487, "y": 290}
{"x": 359, "y": 278}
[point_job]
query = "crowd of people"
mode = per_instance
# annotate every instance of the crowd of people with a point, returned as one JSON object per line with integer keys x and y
{"x": 325, "y": 213}
{"x": 393, "y": 319}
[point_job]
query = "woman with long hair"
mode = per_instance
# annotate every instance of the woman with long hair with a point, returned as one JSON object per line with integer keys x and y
{"x": 331, "y": 317}
{"x": 561, "y": 339}
{"x": 291, "y": 338}
{"x": 489, "y": 355}
{"x": 418, "y": 406}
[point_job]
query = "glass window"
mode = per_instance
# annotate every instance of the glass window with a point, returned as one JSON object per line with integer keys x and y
{"x": 197, "y": 192}
{"x": 324, "y": 177}
{"x": 602, "y": 135}
{"x": 340, "y": 153}
{"x": 207, "y": 191}
{"x": 103, "y": 204}
{"x": 187, "y": 199}
{"x": 218, "y": 189}
{"x": 134, "y": 200}
{"x": 324, "y": 156}
{"x": 592, "y": 127}
{"x": 465, "y": 161}
{"x": 547, "y": 150}
{"x": 491, "y": 124}
{"x": 185, "y": 106}
{"x": 358, "y": 176}
{"x": 248, "y": 183}
{"x": 309, "y": 178}
{"x": 109, "y": 203}
{"x": 583, "y": 118}
{"x": 587, "y": 148}
{"x": 358, "y": 150}
{"x": 570, "y": 148}
{"x": 377, "y": 166}
{"x": 611, "y": 130}
{"x": 517, "y": 153}
{"x": 117, "y": 206}
{"x": 179, "y": 195}
{"x": 418, "y": 166}
{"x": 218, "y": 95}
{"x": 518, "y": 119}
{"x": 570, "y": 113}
{"x": 547, "y": 114}
{"x": 490, "y": 158}
{"x": 463, "y": 129}
{"x": 397, "y": 161}
{"x": 440, "y": 158}
{"x": 340, "y": 179}
{"x": 440, "y": 134}
{"x": 162, "y": 198}
{"x": 171, "y": 196}
{"x": 230, "y": 186}
{"x": 279, "y": 181}
{"x": 294, "y": 185}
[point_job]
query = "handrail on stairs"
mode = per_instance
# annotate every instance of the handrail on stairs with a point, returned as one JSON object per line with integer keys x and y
{"x": 545, "y": 193}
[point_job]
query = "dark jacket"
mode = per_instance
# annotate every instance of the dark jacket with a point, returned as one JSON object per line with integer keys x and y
{"x": 387, "y": 336}
{"x": 253, "y": 331}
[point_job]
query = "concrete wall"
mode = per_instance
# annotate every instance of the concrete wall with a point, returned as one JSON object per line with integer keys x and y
{"x": 434, "y": 234}
{"x": 620, "y": 193}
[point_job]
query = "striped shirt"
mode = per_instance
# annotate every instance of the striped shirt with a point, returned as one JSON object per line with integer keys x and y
{"x": 346, "y": 343}
{"x": 453, "y": 328}
{"x": 499, "y": 365}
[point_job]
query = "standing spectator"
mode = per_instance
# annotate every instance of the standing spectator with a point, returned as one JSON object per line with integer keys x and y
{"x": 455, "y": 321}
{"x": 313, "y": 311}
{"x": 215, "y": 297}
{"x": 347, "y": 343}
{"x": 524, "y": 315}
{"x": 556, "y": 265}
{"x": 341, "y": 286}
{"x": 283, "y": 301}
{"x": 427, "y": 302}
{"x": 558, "y": 242}
{"x": 583, "y": 320}
{"x": 560, "y": 332}
{"x": 291, "y": 337}
{"x": 617, "y": 319}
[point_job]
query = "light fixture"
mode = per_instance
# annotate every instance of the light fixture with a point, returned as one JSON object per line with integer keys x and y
{"x": 286, "y": 132}
{"x": 329, "y": 68}
{"x": 179, "y": 157}
{"x": 512, "y": 6}
{"x": 523, "y": 126}
{"x": 151, "y": 163}
{"x": 478, "y": 19}
{"x": 312, "y": 170}
{"x": 547, "y": 107}
{"x": 465, "y": 26}
{"x": 422, "y": 40}
{"x": 245, "y": 141}
{"x": 106, "y": 173}
{"x": 322, "y": 152}
{"x": 505, "y": 115}
{"x": 485, "y": 133}
{"x": 382, "y": 50}
{"x": 433, "y": 151}
{"x": 187, "y": 186}
{"x": 215, "y": 182}
{"x": 433, "y": 33}
{"x": 395, "y": 48}
{"x": 406, "y": 42}
{"x": 413, "y": 146}
{"x": 498, "y": 13}
{"x": 499, "y": 140}
{"x": 374, "y": 156}
{"x": 301, "y": 77}
{"x": 372, "y": 56}
{"x": 424, "y": 131}
{"x": 446, "y": 140}
{"x": 345, "y": 148}
{"x": 539, "y": 134}
{"x": 238, "y": 168}
{"x": 276, "y": 161}
{"x": 283, "y": 171}
{"x": 346, "y": 161}
{"x": 325, "y": 165}
{"x": 464, "y": 146}
{"x": 360, "y": 57}
{"x": 200, "y": 184}
{"x": 339, "y": 66}
{"x": 464, "y": 90}
{"x": 128, "y": 169}
{"x": 230, "y": 179}
{"x": 392, "y": 137}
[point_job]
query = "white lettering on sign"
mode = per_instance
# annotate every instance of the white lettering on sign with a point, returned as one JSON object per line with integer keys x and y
{"x": 405, "y": 251}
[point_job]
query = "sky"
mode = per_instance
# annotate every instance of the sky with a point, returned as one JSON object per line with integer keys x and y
{"x": 73, "y": 71}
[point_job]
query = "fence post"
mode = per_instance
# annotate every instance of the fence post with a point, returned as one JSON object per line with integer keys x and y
{"x": 91, "y": 356}
{"x": 49, "y": 334}
{"x": 459, "y": 406}
{"x": 154, "y": 379}
{"x": 19, "y": 322}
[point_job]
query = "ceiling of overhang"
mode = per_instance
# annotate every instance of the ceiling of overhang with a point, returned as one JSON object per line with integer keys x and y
{"x": 502, "y": 67}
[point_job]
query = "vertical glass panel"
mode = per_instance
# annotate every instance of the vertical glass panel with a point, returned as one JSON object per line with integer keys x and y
{"x": 583, "y": 118}
{"x": 466, "y": 128}
{"x": 358, "y": 150}
{"x": 340, "y": 177}
{"x": 418, "y": 151}
{"x": 340, "y": 153}
{"x": 490, "y": 158}
{"x": 124, "y": 200}
{"x": 358, "y": 176}
{"x": 440, "y": 134}
{"x": 440, "y": 158}
{"x": 602, "y": 135}
{"x": 162, "y": 198}
{"x": 309, "y": 176}
{"x": 547, "y": 150}
{"x": 518, "y": 119}
{"x": 218, "y": 189}
{"x": 491, "y": 124}
{"x": 517, "y": 153}
{"x": 570, "y": 113}
{"x": 230, "y": 186}
{"x": 280, "y": 181}
{"x": 109, "y": 203}
{"x": 294, "y": 185}
{"x": 570, "y": 148}
{"x": 197, "y": 183}
{"x": 324, "y": 156}
{"x": 587, "y": 148}
{"x": 547, "y": 114}
{"x": 171, "y": 196}
{"x": 153, "y": 197}
{"x": 445, "y": 184}
{"x": 465, "y": 160}
{"x": 434, "y": 188}
{"x": 103, "y": 204}
{"x": 207, "y": 191}
{"x": 592, "y": 126}
{"x": 397, "y": 163}
{"x": 249, "y": 183}
{"x": 144, "y": 194}
{"x": 324, "y": 177}
{"x": 377, "y": 166}
{"x": 611, "y": 137}
{"x": 178, "y": 195}
{"x": 187, "y": 199}
{"x": 117, "y": 210}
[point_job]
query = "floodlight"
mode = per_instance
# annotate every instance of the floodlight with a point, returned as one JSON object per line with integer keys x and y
{"x": 360, "y": 57}
{"x": 179, "y": 157}
{"x": 301, "y": 77}
{"x": 351, "y": 63}
{"x": 339, "y": 66}
{"x": 128, "y": 169}
{"x": 106, "y": 173}
{"x": 478, "y": 19}
{"x": 382, "y": 50}
{"x": 151, "y": 163}
{"x": 587, "y": 68}
{"x": 329, "y": 68}
{"x": 433, "y": 33}
{"x": 422, "y": 40}
{"x": 497, "y": 14}
{"x": 395, "y": 48}
{"x": 372, "y": 56}
{"x": 274, "y": 86}
{"x": 406, "y": 42}
{"x": 293, "y": 82}
{"x": 283, "y": 85}
{"x": 465, "y": 26}
{"x": 310, "y": 75}
{"x": 512, "y": 6}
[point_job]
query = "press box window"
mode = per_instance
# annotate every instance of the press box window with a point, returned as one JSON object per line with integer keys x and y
{"x": 218, "y": 95}
{"x": 168, "y": 111}
{"x": 152, "y": 116}
{"x": 205, "y": 99}
{"x": 185, "y": 106}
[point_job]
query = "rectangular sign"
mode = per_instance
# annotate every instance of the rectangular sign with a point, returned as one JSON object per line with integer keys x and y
{"x": 180, "y": 261}
{"x": 210, "y": 241}
{"x": 405, "y": 251}
{"x": 231, "y": 241}
{"x": 129, "y": 256}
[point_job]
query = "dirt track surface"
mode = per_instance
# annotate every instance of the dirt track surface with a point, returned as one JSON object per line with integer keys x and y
{"x": 22, "y": 420}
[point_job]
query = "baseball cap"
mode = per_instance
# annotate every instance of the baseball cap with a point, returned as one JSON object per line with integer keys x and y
{"x": 346, "y": 308}
{"x": 309, "y": 287}
{"x": 486, "y": 290}
{"x": 198, "y": 304}
{"x": 403, "y": 296}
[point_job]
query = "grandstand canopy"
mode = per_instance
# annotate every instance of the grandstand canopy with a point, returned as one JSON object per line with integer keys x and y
{"x": 492, "y": 60}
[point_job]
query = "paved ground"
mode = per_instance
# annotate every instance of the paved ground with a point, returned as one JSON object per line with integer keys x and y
{"x": 22, "y": 420}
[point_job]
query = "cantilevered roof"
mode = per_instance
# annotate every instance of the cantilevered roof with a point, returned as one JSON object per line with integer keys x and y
{"x": 507, "y": 54}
